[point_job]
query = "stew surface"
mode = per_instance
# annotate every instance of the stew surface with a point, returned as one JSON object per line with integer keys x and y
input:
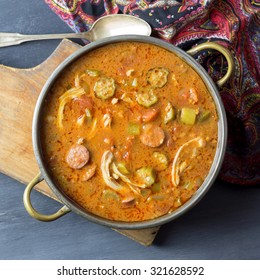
{"x": 129, "y": 131}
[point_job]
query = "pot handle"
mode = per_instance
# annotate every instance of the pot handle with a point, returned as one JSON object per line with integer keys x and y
{"x": 221, "y": 49}
{"x": 28, "y": 205}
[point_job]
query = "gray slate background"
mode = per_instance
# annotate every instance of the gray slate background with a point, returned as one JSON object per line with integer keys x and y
{"x": 224, "y": 225}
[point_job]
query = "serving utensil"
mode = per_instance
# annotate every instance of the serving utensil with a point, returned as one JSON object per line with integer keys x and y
{"x": 110, "y": 25}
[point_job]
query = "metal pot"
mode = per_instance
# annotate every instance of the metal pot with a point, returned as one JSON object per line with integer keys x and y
{"x": 70, "y": 205}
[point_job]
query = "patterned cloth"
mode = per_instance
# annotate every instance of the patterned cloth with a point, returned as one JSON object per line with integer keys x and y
{"x": 232, "y": 23}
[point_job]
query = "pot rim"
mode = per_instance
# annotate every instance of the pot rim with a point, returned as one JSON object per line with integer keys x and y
{"x": 218, "y": 158}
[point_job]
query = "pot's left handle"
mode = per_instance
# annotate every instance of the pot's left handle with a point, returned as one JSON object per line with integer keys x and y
{"x": 28, "y": 205}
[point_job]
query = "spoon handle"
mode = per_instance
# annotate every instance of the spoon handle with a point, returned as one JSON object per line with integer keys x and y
{"x": 10, "y": 39}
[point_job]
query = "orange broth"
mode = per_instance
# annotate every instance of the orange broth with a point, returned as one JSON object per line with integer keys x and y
{"x": 129, "y": 131}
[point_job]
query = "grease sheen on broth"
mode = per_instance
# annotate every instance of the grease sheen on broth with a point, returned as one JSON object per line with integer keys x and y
{"x": 129, "y": 131}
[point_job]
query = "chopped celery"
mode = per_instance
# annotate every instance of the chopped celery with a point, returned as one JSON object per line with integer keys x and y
{"x": 188, "y": 186}
{"x": 145, "y": 193}
{"x": 110, "y": 194}
{"x": 133, "y": 129}
{"x": 155, "y": 188}
{"x": 203, "y": 116}
{"x": 188, "y": 115}
{"x": 198, "y": 181}
{"x": 177, "y": 202}
{"x": 122, "y": 168}
{"x": 147, "y": 175}
{"x": 92, "y": 73}
{"x": 146, "y": 98}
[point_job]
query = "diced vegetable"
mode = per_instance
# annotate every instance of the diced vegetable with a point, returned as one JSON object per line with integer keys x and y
{"x": 133, "y": 129}
{"x": 169, "y": 113}
{"x": 107, "y": 120}
{"x": 92, "y": 73}
{"x": 188, "y": 186}
{"x": 122, "y": 168}
{"x": 129, "y": 72}
{"x": 188, "y": 115}
{"x": 198, "y": 182}
{"x": 194, "y": 184}
{"x": 157, "y": 77}
{"x": 203, "y": 116}
{"x": 88, "y": 114}
{"x": 155, "y": 188}
{"x": 134, "y": 83}
{"x": 146, "y": 175}
{"x": 177, "y": 202}
{"x": 105, "y": 88}
{"x": 146, "y": 98}
{"x": 162, "y": 159}
{"x": 145, "y": 193}
{"x": 110, "y": 194}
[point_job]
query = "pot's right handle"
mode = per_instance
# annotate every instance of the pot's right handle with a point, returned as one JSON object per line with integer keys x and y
{"x": 221, "y": 49}
{"x": 28, "y": 205}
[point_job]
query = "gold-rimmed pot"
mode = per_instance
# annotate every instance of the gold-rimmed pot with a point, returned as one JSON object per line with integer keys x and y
{"x": 70, "y": 205}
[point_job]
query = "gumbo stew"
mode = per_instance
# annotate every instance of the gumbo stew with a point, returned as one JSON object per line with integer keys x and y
{"x": 129, "y": 131}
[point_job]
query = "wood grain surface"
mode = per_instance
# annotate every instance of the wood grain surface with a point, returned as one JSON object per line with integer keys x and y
{"x": 19, "y": 90}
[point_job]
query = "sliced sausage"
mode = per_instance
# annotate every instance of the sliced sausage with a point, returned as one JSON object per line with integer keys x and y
{"x": 89, "y": 173}
{"x": 152, "y": 135}
{"x": 128, "y": 201}
{"x": 77, "y": 156}
{"x": 84, "y": 102}
{"x": 150, "y": 115}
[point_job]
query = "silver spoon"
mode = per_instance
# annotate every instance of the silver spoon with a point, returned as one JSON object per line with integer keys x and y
{"x": 111, "y": 25}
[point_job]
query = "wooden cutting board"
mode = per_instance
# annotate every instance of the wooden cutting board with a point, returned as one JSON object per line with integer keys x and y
{"x": 19, "y": 90}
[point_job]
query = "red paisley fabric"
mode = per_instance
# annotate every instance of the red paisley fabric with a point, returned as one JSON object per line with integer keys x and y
{"x": 232, "y": 23}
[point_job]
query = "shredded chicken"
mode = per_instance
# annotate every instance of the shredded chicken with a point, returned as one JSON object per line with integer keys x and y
{"x": 114, "y": 101}
{"x": 107, "y": 120}
{"x": 126, "y": 98}
{"x": 106, "y": 161}
{"x": 64, "y": 99}
{"x": 110, "y": 178}
{"x": 178, "y": 166}
{"x": 133, "y": 186}
{"x": 93, "y": 130}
